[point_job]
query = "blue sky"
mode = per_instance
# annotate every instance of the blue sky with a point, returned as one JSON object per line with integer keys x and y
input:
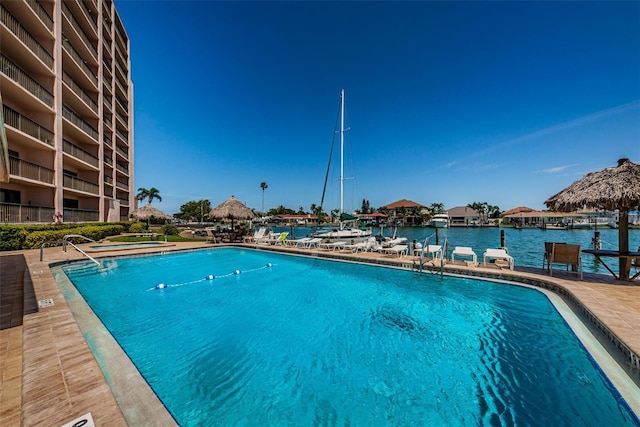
{"x": 447, "y": 102}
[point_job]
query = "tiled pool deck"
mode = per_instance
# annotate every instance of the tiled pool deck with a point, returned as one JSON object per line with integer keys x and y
{"x": 49, "y": 376}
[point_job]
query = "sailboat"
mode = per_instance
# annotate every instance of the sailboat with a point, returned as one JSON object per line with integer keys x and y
{"x": 345, "y": 232}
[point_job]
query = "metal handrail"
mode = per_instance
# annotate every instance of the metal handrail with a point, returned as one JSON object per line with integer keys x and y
{"x": 84, "y": 253}
{"x": 68, "y": 236}
{"x": 42, "y": 247}
{"x": 445, "y": 251}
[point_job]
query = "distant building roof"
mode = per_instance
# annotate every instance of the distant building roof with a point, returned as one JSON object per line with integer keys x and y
{"x": 462, "y": 211}
{"x": 404, "y": 203}
{"x": 519, "y": 209}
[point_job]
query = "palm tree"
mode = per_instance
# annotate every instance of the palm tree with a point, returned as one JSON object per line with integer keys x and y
{"x": 264, "y": 186}
{"x": 149, "y": 194}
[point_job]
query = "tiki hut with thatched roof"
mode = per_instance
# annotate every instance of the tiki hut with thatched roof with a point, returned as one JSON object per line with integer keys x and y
{"x": 232, "y": 209}
{"x": 616, "y": 188}
{"x": 149, "y": 212}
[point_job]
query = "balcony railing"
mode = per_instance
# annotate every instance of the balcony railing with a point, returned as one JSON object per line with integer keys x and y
{"x": 13, "y": 213}
{"x": 42, "y": 14}
{"x": 122, "y": 121}
{"x": 122, "y": 169}
{"x": 16, "y": 74}
{"x": 74, "y": 183}
{"x": 18, "y": 121}
{"x": 80, "y": 215}
{"x": 78, "y": 91}
{"x": 79, "y": 153}
{"x": 90, "y": 17}
{"x": 28, "y": 170}
{"x": 78, "y": 59}
{"x": 14, "y": 26}
{"x": 122, "y": 185}
{"x": 79, "y": 30}
{"x": 122, "y": 104}
{"x": 70, "y": 115}
{"x": 122, "y": 152}
{"x": 123, "y": 136}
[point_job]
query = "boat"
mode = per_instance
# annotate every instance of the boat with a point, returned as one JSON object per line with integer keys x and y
{"x": 590, "y": 222}
{"x": 440, "y": 220}
{"x": 346, "y": 231}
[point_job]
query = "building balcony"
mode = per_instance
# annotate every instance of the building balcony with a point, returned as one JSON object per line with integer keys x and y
{"x": 78, "y": 60}
{"x": 80, "y": 215}
{"x": 80, "y": 154}
{"x": 27, "y": 170}
{"x": 122, "y": 153}
{"x": 17, "y": 213}
{"x": 15, "y": 73}
{"x": 19, "y": 122}
{"x": 80, "y": 93}
{"x": 42, "y": 14}
{"x": 73, "y": 183}
{"x": 14, "y": 27}
{"x": 74, "y": 118}
{"x": 122, "y": 185}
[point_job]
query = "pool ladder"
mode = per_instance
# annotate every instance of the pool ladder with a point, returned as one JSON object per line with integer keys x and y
{"x": 445, "y": 250}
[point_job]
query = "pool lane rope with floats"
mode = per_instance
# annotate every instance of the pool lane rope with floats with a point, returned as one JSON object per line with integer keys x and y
{"x": 210, "y": 277}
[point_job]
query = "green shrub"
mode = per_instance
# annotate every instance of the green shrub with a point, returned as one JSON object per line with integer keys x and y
{"x": 138, "y": 227}
{"x": 94, "y": 232}
{"x": 170, "y": 230}
{"x": 12, "y": 237}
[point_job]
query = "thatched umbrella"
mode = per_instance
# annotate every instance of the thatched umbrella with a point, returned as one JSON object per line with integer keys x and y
{"x": 616, "y": 188}
{"x": 148, "y": 212}
{"x": 231, "y": 208}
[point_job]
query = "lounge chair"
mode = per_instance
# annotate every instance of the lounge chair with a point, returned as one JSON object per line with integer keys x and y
{"x": 267, "y": 238}
{"x": 313, "y": 243}
{"x": 394, "y": 242}
{"x": 434, "y": 251}
{"x": 568, "y": 255}
{"x": 465, "y": 251}
{"x": 398, "y": 250}
{"x": 211, "y": 236}
{"x": 281, "y": 239}
{"x": 362, "y": 246}
{"x": 500, "y": 256}
{"x": 299, "y": 242}
{"x": 256, "y": 236}
{"x": 332, "y": 245}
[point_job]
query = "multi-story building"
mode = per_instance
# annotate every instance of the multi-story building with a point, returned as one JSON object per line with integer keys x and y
{"x": 66, "y": 125}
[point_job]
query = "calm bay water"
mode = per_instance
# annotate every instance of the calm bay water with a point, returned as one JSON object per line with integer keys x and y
{"x": 526, "y": 245}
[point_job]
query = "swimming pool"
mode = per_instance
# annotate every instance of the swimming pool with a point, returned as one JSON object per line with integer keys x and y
{"x": 273, "y": 339}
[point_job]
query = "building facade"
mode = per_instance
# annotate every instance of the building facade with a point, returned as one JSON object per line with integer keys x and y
{"x": 66, "y": 125}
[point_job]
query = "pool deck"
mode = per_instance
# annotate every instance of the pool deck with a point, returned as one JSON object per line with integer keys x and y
{"x": 49, "y": 375}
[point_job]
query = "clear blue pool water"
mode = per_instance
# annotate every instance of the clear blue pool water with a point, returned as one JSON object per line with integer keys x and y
{"x": 315, "y": 342}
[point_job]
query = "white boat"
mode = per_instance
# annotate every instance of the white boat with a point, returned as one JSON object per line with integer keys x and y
{"x": 440, "y": 221}
{"x": 588, "y": 223}
{"x": 345, "y": 232}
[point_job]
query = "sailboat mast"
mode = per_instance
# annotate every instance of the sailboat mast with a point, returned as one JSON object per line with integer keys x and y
{"x": 341, "y": 150}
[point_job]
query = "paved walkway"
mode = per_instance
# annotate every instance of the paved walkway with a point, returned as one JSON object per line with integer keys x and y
{"x": 49, "y": 376}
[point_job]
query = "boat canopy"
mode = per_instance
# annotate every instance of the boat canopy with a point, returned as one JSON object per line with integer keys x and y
{"x": 347, "y": 217}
